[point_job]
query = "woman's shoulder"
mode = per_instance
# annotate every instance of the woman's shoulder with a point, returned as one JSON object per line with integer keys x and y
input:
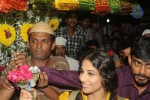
{"x": 112, "y": 96}
{"x": 70, "y": 95}
{"x": 64, "y": 96}
{"x": 121, "y": 98}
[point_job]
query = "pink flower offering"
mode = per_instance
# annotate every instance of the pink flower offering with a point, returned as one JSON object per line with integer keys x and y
{"x": 22, "y": 74}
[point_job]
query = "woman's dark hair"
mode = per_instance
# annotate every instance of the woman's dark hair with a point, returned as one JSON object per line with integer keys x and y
{"x": 106, "y": 67}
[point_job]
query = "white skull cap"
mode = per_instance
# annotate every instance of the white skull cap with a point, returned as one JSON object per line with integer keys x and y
{"x": 60, "y": 41}
{"x": 146, "y": 31}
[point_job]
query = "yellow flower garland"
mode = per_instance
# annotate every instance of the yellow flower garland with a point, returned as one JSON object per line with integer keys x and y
{"x": 54, "y": 23}
{"x": 7, "y": 34}
{"x": 24, "y": 31}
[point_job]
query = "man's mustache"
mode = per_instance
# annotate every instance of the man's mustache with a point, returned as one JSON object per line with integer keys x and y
{"x": 140, "y": 75}
{"x": 59, "y": 54}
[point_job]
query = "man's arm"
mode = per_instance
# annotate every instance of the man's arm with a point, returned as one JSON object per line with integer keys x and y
{"x": 6, "y": 89}
{"x": 66, "y": 79}
{"x": 51, "y": 93}
{"x": 43, "y": 86}
{"x": 5, "y": 94}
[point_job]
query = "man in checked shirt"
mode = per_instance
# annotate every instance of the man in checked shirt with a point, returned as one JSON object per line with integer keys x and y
{"x": 72, "y": 33}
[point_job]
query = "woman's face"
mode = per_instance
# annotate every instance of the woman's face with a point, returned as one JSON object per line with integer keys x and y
{"x": 90, "y": 78}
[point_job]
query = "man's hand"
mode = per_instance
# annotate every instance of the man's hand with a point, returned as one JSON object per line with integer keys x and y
{"x": 4, "y": 83}
{"x": 43, "y": 80}
{"x": 19, "y": 59}
{"x": 51, "y": 93}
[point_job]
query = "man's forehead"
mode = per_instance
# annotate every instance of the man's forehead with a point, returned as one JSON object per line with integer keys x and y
{"x": 140, "y": 60}
{"x": 72, "y": 15}
{"x": 40, "y": 34}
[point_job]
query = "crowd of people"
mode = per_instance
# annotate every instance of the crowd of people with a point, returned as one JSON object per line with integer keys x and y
{"x": 77, "y": 62}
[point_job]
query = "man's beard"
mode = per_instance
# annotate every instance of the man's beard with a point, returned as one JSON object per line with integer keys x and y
{"x": 60, "y": 54}
{"x": 140, "y": 83}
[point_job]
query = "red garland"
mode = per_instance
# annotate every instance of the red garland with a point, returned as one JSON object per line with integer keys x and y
{"x": 7, "y": 5}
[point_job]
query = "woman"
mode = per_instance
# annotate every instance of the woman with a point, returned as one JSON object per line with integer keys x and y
{"x": 97, "y": 77}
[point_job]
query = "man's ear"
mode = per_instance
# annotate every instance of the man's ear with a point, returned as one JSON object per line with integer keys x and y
{"x": 129, "y": 60}
{"x": 53, "y": 46}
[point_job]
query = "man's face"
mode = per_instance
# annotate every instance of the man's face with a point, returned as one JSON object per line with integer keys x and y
{"x": 60, "y": 50}
{"x": 40, "y": 45}
{"x": 72, "y": 21}
{"x": 147, "y": 35}
{"x": 95, "y": 26}
{"x": 85, "y": 23}
{"x": 140, "y": 71}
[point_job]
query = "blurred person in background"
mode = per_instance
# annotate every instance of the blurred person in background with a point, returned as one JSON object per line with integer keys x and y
{"x": 61, "y": 50}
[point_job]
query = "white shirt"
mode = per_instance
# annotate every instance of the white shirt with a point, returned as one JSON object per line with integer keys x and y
{"x": 73, "y": 63}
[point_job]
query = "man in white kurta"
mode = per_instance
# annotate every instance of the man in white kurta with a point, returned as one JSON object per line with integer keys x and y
{"x": 61, "y": 50}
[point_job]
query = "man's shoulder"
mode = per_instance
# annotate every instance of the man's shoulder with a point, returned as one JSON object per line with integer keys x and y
{"x": 123, "y": 69}
{"x": 60, "y": 30}
{"x": 79, "y": 30}
{"x": 60, "y": 62}
{"x": 71, "y": 59}
{"x": 124, "y": 73}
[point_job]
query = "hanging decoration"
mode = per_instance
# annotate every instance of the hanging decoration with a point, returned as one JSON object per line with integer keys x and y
{"x": 4, "y": 6}
{"x": 86, "y": 5}
{"x": 115, "y": 6}
{"x": 137, "y": 11}
{"x": 18, "y": 4}
{"x": 66, "y": 4}
{"x": 102, "y": 6}
{"x": 41, "y": 1}
{"x": 7, "y": 5}
{"x": 126, "y": 7}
